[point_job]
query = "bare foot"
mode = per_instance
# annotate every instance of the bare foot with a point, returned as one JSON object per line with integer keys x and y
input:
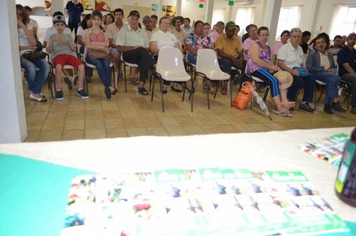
{"x": 287, "y": 104}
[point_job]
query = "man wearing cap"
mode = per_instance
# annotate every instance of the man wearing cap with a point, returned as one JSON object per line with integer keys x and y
{"x": 133, "y": 43}
{"x": 230, "y": 53}
{"x": 180, "y": 34}
{"x": 186, "y": 26}
{"x": 147, "y": 21}
{"x": 346, "y": 58}
{"x": 74, "y": 11}
{"x": 321, "y": 66}
{"x": 113, "y": 31}
{"x": 154, "y": 19}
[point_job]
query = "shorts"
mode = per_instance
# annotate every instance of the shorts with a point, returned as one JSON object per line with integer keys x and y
{"x": 65, "y": 59}
{"x": 113, "y": 50}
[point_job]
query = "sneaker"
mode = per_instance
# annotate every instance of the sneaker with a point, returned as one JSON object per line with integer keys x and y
{"x": 306, "y": 107}
{"x": 121, "y": 76}
{"x": 59, "y": 95}
{"x": 68, "y": 81}
{"x": 337, "y": 107}
{"x": 133, "y": 80}
{"x": 82, "y": 94}
{"x": 74, "y": 80}
{"x": 327, "y": 109}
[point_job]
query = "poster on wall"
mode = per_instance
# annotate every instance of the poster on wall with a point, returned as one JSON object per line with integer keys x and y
{"x": 88, "y": 4}
{"x": 48, "y": 5}
{"x": 154, "y": 9}
{"x": 102, "y": 5}
{"x": 163, "y": 10}
{"x": 171, "y": 11}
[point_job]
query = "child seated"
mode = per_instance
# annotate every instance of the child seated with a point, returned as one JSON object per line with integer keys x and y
{"x": 61, "y": 47}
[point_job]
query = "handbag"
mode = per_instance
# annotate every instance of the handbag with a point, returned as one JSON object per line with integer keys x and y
{"x": 243, "y": 97}
{"x": 34, "y": 56}
{"x": 98, "y": 55}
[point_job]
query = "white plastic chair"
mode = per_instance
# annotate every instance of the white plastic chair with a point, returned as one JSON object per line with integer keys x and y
{"x": 170, "y": 67}
{"x": 258, "y": 80}
{"x": 208, "y": 67}
{"x": 127, "y": 64}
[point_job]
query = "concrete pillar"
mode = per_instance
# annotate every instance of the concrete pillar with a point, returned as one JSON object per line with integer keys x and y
{"x": 229, "y": 14}
{"x": 209, "y": 4}
{"x": 274, "y": 8}
{"x": 59, "y": 5}
{"x": 314, "y": 28}
{"x": 178, "y": 7}
{"x": 12, "y": 107}
{"x": 160, "y": 9}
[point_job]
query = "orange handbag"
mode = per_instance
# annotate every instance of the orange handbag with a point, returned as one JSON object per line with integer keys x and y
{"x": 243, "y": 97}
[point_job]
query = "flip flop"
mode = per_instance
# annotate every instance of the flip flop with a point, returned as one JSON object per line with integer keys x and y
{"x": 284, "y": 114}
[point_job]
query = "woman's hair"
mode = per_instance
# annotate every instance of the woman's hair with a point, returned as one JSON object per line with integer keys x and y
{"x": 296, "y": 29}
{"x": 164, "y": 18}
{"x": 97, "y": 13}
{"x": 197, "y": 22}
{"x": 83, "y": 24}
{"x": 252, "y": 25}
{"x": 220, "y": 24}
{"x": 285, "y": 32}
{"x": 112, "y": 18}
{"x": 262, "y": 28}
{"x": 23, "y": 12}
{"x": 206, "y": 23}
{"x": 326, "y": 38}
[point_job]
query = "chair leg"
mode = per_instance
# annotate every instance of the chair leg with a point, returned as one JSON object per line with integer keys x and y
{"x": 314, "y": 99}
{"x": 321, "y": 93}
{"x": 266, "y": 93}
{"x": 150, "y": 75}
{"x": 230, "y": 80}
{"x": 160, "y": 84}
{"x": 125, "y": 77}
{"x": 184, "y": 85}
{"x": 216, "y": 90}
{"x": 207, "y": 91}
{"x": 152, "y": 92}
{"x": 191, "y": 94}
{"x": 113, "y": 76}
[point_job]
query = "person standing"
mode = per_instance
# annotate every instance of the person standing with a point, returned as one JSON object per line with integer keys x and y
{"x": 74, "y": 11}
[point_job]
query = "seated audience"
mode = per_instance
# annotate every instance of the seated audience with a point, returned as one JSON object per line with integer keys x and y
{"x": 291, "y": 56}
{"x": 321, "y": 66}
{"x": 61, "y": 46}
{"x": 164, "y": 39}
{"x": 346, "y": 58}
{"x": 196, "y": 41}
{"x": 245, "y": 36}
{"x": 31, "y": 23}
{"x": 343, "y": 40}
{"x": 230, "y": 53}
{"x": 312, "y": 43}
{"x": 154, "y": 19}
{"x": 27, "y": 44}
{"x": 86, "y": 23}
{"x": 109, "y": 20}
{"x": 261, "y": 66}
{"x": 186, "y": 26}
{"x": 335, "y": 48}
{"x": 219, "y": 31}
{"x": 236, "y": 33}
{"x": 279, "y": 44}
{"x": 148, "y": 27}
{"x": 180, "y": 34}
{"x": 252, "y": 38}
{"x": 97, "y": 40}
{"x": 206, "y": 28}
{"x": 134, "y": 45}
{"x": 304, "y": 41}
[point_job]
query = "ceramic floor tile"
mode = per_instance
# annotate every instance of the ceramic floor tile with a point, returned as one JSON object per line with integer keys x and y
{"x": 34, "y": 126}
{"x": 245, "y": 128}
{"x": 116, "y": 133}
{"x": 132, "y": 132}
{"x": 185, "y": 121}
{"x": 94, "y": 133}
{"x": 74, "y": 134}
{"x": 94, "y": 124}
{"x": 114, "y": 123}
{"x": 157, "y": 131}
{"x": 75, "y": 115}
{"x": 54, "y": 115}
{"x": 202, "y": 120}
{"x": 176, "y": 131}
{"x": 112, "y": 114}
{"x": 133, "y": 122}
{"x": 211, "y": 129}
{"x": 53, "y": 125}
{"x": 40, "y": 107}
{"x": 228, "y": 128}
{"x": 194, "y": 130}
{"x": 76, "y": 107}
{"x": 59, "y": 107}
{"x": 168, "y": 121}
{"x": 74, "y": 124}
{"x": 93, "y": 107}
{"x": 50, "y": 135}
{"x": 37, "y": 116}
{"x": 94, "y": 115}
{"x": 260, "y": 127}
{"x": 151, "y": 122}
{"x": 31, "y": 137}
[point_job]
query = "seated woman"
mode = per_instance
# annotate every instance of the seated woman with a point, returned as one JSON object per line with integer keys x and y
{"x": 85, "y": 24}
{"x": 27, "y": 43}
{"x": 196, "y": 41}
{"x": 252, "y": 38}
{"x": 164, "y": 39}
{"x": 109, "y": 20}
{"x": 261, "y": 65}
{"x": 97, "y": 39}
{"x": 279, "y": 44}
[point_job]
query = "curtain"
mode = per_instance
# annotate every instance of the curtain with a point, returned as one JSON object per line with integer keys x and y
{"x": 218, "y": 15}
{"x": 289, "y": 18}
{"x": 244, "y": 17}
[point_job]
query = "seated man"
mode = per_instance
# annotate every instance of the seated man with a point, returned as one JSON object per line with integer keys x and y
{"x": 133, "y": 43}
{"x": 335, "y": 48}
{"x": 154, "y": 19}
{"x": 228, "y": 47}
{"x": 148, "y": 27}
{"x": 61, "y": 47}
{"x": 180, "y": 34}
{"x": 346, "y": 58}
{"x": 304, "y": 41}
{"x": 186, "y": 26}
{"x": 321, "y": 66}
{"x": 68, "y": 78}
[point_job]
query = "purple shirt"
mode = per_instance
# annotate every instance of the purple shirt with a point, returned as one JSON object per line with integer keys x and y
{"x": 246, "y": 47}
{"x": 264, "y": 55}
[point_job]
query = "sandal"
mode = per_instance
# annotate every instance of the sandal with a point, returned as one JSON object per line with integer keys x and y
{"x": 284, "y": 114}
{"x": 41, "y": 99}
{"x": 114, "y": 92}
{"x": 143, "y": 91}
{"x": 107, "y": 92}
{"x": 89, "y": 80}
{"x": 224, "y": 92}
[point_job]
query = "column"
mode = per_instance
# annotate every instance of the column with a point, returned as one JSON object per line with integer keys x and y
{"x": 229, "y": 15}
{"x": 160, "y": 9}
{"x": 209, "y": 4}
{"x": 179, "y": 7}
{"x": 274, "y": 7}
{"x": 12, "y": 107}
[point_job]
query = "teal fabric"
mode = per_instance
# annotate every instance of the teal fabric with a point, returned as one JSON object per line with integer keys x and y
{"x": 33, "y": 196}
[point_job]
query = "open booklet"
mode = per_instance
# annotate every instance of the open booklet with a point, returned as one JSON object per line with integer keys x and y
{"x": 208, "y": 201}
{"x": 329, "y": 149}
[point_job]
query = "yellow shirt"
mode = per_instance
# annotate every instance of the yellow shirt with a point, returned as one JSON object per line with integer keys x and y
{"x": 229, "y": 46}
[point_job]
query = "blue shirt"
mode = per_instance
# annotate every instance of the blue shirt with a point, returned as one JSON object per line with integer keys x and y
{"x": 74, "y": 11}
{"x": 346, "y": 56}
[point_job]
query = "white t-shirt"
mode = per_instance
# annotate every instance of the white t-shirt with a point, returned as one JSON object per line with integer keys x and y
{"x": 291, "y": 57}
{"x": 81, "y": 33}
{"x": 23, "y": 41}
{"x": 33, "y": 23}
{"x": 52, "y": 30}
{"x": 164, "y": 40}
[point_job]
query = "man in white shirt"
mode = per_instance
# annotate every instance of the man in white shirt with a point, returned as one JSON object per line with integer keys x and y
{"x": 147, "y": 21}
{"x": 187, "y": 26}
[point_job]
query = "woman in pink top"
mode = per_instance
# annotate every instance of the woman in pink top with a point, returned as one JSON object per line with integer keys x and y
{"x": 97, "y": 39}
{"x": 279, "y": 44}
{"x": 252, "y": 38}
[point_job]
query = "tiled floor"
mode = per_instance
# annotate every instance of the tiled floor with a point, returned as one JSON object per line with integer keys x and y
{"x": 131, "y": 114}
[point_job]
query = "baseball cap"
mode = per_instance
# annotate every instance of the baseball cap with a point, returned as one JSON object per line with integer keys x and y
{"x": 134, "y": 13}
{"x": 59, "y": 18}
{"x": 351, "y": 35}
{"x": 146, "y": 18}
{"x": 154, "y": 15}
{"x": 230, "y": 25}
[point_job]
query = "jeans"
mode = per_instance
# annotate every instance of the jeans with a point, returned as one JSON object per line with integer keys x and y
{"x": 309, "y": 83}
{"x": 103, "y": 68}
{"x": 351, "y": 79}
{"x": 192, "y": 58}
{"x": 35, "y": 80}
{"x": 332, "y": 84}
{"x": 226, "y": 65}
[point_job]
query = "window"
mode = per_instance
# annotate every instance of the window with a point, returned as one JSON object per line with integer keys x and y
{"x": 288, "y": 19}
{"x": 218, "y": 15}
{"x": 344, "y": 20}
{"x": 244, "y": 17}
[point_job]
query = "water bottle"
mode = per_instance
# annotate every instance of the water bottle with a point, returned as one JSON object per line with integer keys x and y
{"x": 345, "y": 185}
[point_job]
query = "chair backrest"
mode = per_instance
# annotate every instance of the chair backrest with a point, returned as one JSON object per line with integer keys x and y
{"x": 170, "y": 61}
{"x": 207, "y": 61}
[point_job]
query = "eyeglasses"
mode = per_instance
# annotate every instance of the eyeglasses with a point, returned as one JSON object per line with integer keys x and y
{"x": 264, "y": 35}
{"x": 253, "y": 31}
{"x": 166, "y": 23}
{"x": 286, "y": 35}
{"x": 295, "y": 36}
